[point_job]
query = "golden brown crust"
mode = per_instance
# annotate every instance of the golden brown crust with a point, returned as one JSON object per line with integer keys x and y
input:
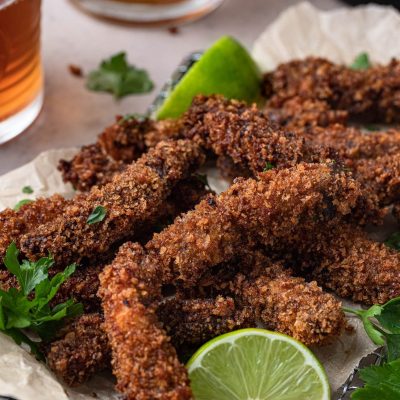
{"x": 131, "y": 199}
{"x": 371, "y": 94}
{"x": 13, "y": 224}
{"x": 281, "y": 206}
{"x": 80, "y": 350}
{"x": 231, "y": 128}
{"x": 286, "y": 203}
{"x": 291, "y": 305}
{"x": 119, "y": 144}
{"x": 144, "y": 361}
{"x": 353, "y": 266}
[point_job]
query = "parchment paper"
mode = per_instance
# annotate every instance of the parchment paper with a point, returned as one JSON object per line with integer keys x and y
{"x": 300, "y": 31}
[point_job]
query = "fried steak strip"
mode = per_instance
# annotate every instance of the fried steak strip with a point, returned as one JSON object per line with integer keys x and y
{"x": 120, "y": 144}
{"x": 281, "y": 206}
{"x": 353, "y": 266}
{"x": 13, "y": 224}
{"x": 372, "y": 94}
{"x": 130, "y": 200}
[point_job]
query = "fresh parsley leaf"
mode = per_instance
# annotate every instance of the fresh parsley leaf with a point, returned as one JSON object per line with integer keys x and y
{"x": 268, "y": 166}
{"x": 393, "y": 346}
{"x": 28, "y": 307}
{"x": 394, "y": 241}
{"x": 381, "y": 382}
{"x": 27, "y": 190}
{"x": 382, "y": 325}
{"x": 22, "y": 203}
{"x": 97, "y": 215}
{"x": 116, "y": 76}
{"x": 361, "y": 62}
{"x": 389, "y": 318}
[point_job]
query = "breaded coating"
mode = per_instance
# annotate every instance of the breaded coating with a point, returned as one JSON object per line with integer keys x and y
{"x": 281, "y": 206}
{"x": 372, "y": 94}
{"x": 82, "y": 286}
{"x": 193, "y": 321}
{"x": 143, "y": 359}
{"x": 353, "y": 266}
{"x": 131, "y": 200}
{"x": 266, "y": 293}
{"x": 121, "y": 143}
{"x": 287, "y": 203}
{"x": 80, "y": 350}
{"x": 90, "y": 167}
{"x": 290, "y": 305}
{"x": 352, "y": 143}
{"x": 247, "y": 141}
{"x": 258, "y": 292}
{"x": 380, "y": 176}
{"x": 231, "y": 128}
{"x": 13, "y": 224}
{"x": 298, "y": 112}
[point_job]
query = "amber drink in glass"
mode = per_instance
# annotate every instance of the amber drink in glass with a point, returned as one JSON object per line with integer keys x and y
{"x": 21, "y": 76}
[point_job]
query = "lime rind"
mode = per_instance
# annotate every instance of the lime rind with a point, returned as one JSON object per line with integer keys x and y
{"x": 301, "y": 367}
{"x": 226, "y": 68}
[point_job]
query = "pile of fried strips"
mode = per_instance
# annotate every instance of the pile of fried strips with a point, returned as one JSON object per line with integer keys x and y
{"x": 172, "y": 264}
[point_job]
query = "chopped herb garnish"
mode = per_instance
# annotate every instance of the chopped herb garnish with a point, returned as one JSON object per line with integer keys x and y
{"x": 394, "y": 241}
{"x": 116, "y": 76}
{"x": 361, "y": 62}
{"x": 268, "y": 166}
{"x": 382, "y": 325}
{"x": 28, "y": 309}
{"x": 203, "y": 179}
{"x": 22, "y": 203}
{"x": 27, "y": 190}
{"x": 97, "y": 215}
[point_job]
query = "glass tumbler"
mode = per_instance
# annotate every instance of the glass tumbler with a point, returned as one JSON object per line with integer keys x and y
{"x": 21, "y": 75}
{"x": 152, "y": 12}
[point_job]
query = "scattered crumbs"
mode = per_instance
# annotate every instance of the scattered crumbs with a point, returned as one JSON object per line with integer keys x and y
{"x": 173, "y": 30}
{"x": 75, "y": 70}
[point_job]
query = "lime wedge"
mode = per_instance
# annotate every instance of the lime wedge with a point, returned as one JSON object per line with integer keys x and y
{"x": 256, "y": 364}
{"x": 226, "y": 68}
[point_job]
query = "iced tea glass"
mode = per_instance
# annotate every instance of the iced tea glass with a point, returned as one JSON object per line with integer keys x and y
{"x": 21, "y": 75}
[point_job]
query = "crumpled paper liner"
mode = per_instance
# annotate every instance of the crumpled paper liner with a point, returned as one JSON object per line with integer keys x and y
{"x": 300, "y": 31}
{"x": 338, "y": 35}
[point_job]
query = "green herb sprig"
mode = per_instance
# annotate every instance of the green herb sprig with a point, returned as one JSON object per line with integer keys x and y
{"x": 116, "y": 76}
{"x": 28, "y": 309}
{"x": 382, "y": 325}
{"x": 361, "y": 62}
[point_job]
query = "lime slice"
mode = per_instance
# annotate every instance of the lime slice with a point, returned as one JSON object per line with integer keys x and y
{"x": 256, "y": 364}
{"x": 226, "y": 68}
